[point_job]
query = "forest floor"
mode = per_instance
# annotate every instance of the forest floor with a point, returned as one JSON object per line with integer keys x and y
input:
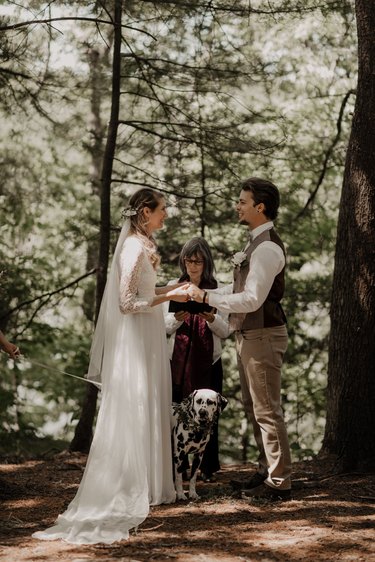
{"x": 330, "y": 518}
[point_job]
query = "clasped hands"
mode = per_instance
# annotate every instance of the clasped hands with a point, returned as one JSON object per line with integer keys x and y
{"x": 182, "y": 292}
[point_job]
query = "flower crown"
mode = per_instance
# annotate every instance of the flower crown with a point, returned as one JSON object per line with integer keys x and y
{"x": 129, "y": 212}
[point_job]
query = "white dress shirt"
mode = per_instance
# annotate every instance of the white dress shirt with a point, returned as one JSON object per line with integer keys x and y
{"x": 266, "y": 261}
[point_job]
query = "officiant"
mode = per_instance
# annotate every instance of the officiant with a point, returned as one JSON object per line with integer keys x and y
{"x": 195, "y": 345}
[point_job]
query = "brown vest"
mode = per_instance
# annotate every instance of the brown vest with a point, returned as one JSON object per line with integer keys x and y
{"x": 270, "y": 314}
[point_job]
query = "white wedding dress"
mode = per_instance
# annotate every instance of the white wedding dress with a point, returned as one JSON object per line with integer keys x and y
{"x": 129, "y": 466}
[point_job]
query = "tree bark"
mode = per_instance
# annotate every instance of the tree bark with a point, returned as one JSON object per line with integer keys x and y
{"x": 98, "y": 64}
{"x": 83, "y": 434}
{"x": 350, "y": 428}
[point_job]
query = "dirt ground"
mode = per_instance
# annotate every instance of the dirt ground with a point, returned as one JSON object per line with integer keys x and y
{"x": 330, "y": 518}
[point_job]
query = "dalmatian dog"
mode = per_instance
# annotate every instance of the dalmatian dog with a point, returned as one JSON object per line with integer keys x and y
{"x": 192, "y": 423}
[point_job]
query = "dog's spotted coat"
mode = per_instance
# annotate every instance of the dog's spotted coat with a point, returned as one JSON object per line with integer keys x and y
{"x": 193, "y": 422}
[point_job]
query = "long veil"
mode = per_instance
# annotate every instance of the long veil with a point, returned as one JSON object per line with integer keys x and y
{"x": 109, "y": 304}
{"x": 129, "y": 465}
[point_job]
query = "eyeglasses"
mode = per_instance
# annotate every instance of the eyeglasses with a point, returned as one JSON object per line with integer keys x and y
{"x": 188, "y": 261}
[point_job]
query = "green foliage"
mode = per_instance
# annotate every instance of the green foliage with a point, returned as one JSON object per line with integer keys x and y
{"x": 26, "y": 445}
{"x": 206, "y": 101}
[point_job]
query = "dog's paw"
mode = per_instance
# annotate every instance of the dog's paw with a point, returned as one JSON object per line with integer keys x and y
{"x": 181, "y": 496}
{"x": 193, "y": 496}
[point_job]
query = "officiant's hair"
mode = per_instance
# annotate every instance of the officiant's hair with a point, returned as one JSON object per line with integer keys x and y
{"x": 265, "y": 192}
{"x": 198, "y": 247}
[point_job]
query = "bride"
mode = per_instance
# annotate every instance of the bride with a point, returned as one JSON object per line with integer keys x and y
{"x": 129, "y": 466}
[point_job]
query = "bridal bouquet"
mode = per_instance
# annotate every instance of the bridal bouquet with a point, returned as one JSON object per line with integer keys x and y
{"x": 238, "y": 259}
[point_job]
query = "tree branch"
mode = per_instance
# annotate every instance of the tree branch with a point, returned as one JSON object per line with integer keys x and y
{"x": 234, "y": 71}
{"x": 17, "y": 74}
{"x": 168, "y": 192}
{"x": 246, "y": 10}
{"x": 70, "y": 18}
{"x": 327, "y": 155}
{"x": 47, "y": 295}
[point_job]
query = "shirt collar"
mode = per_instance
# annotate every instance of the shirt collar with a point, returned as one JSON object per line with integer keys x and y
{"x": 259, "y": 229}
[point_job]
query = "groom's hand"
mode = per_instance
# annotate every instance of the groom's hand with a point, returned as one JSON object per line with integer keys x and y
{"x": 195, "y": 293}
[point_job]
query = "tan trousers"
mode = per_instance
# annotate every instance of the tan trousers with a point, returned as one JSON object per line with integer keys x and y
{"x": 260, "y": 355}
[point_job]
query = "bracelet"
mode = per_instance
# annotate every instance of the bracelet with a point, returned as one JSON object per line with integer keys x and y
{"x": 204, "y": 296}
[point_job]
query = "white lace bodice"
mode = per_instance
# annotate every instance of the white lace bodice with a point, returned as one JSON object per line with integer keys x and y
{"x": 137, "y": 277}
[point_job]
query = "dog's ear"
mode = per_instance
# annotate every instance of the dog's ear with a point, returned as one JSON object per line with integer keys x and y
{"x": 192, "y": 399}
{"x": 222, "y": 402}
{"x": 188, "y": 402}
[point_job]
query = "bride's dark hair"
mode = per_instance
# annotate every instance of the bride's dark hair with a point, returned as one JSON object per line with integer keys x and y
{"x": 138, "y": 201}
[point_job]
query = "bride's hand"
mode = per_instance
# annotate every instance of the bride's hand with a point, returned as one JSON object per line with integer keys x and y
{"x": 178, "y": 285}
{"x": 179, "y": 294}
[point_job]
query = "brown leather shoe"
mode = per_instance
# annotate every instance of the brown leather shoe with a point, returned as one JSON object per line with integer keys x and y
{"x": 264, "y": 492}
{"x": 256, "y": 480}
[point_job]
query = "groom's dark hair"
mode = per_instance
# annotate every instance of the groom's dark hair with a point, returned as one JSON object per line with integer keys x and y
{"x": 265, "y": 192}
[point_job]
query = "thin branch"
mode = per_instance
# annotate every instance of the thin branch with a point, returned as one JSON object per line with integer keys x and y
{"x": 328, "y": 154}
{"x": 148, "y": 82}
{"x": 17, "y": 74}
{"x": 155, "y": 133}
{"x": 47, "y": 295}
{"x": 34, "y": 314}
{"x": 70, "y": 18}
{"x": 168, "y": 192}
{"x": 142, "y": 171}
{"x": 193, "y": 124}
{"x": 35, "y": 102}
{"x": 243, "y": 11}
{"x": 186, "y": 66}
{"x": 49, "y": 20}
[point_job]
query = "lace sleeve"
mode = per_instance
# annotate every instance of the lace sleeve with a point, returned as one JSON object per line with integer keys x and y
{"x": 131, "y": 261}
{"x": 171, "y": 324}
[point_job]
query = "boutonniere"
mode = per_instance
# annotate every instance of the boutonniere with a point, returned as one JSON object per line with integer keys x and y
{"x": 239, "y": 259}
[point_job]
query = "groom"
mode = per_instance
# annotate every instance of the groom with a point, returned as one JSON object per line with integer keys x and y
{"x": 258, "y": 319}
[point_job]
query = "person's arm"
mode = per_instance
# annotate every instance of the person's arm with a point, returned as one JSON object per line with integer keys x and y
{"x": 223, "y": 290}
{"x": 179, "y": 294}
{"x": 218, "y": 323}
{"x": 171, "y": 322}
{"x": 167, "y": 288}
{"x": 10, "y": 348}
{"x": 131, "y": 261}
{"x": 266, "y": 262}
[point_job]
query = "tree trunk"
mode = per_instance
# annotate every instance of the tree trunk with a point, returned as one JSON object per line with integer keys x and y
{"x": 97, "y": 62}
{"x": 83, "y": 433}
{"x": 350, "y": 428}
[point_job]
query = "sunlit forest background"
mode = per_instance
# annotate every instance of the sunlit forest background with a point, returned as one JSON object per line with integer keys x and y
{"x": 208, "y": 98}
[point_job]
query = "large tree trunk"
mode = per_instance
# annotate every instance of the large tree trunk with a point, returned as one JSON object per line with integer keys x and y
{"x": 83, "y": 433}
{"x": 98, "y": 65}
{"x": 350, "y": 429}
